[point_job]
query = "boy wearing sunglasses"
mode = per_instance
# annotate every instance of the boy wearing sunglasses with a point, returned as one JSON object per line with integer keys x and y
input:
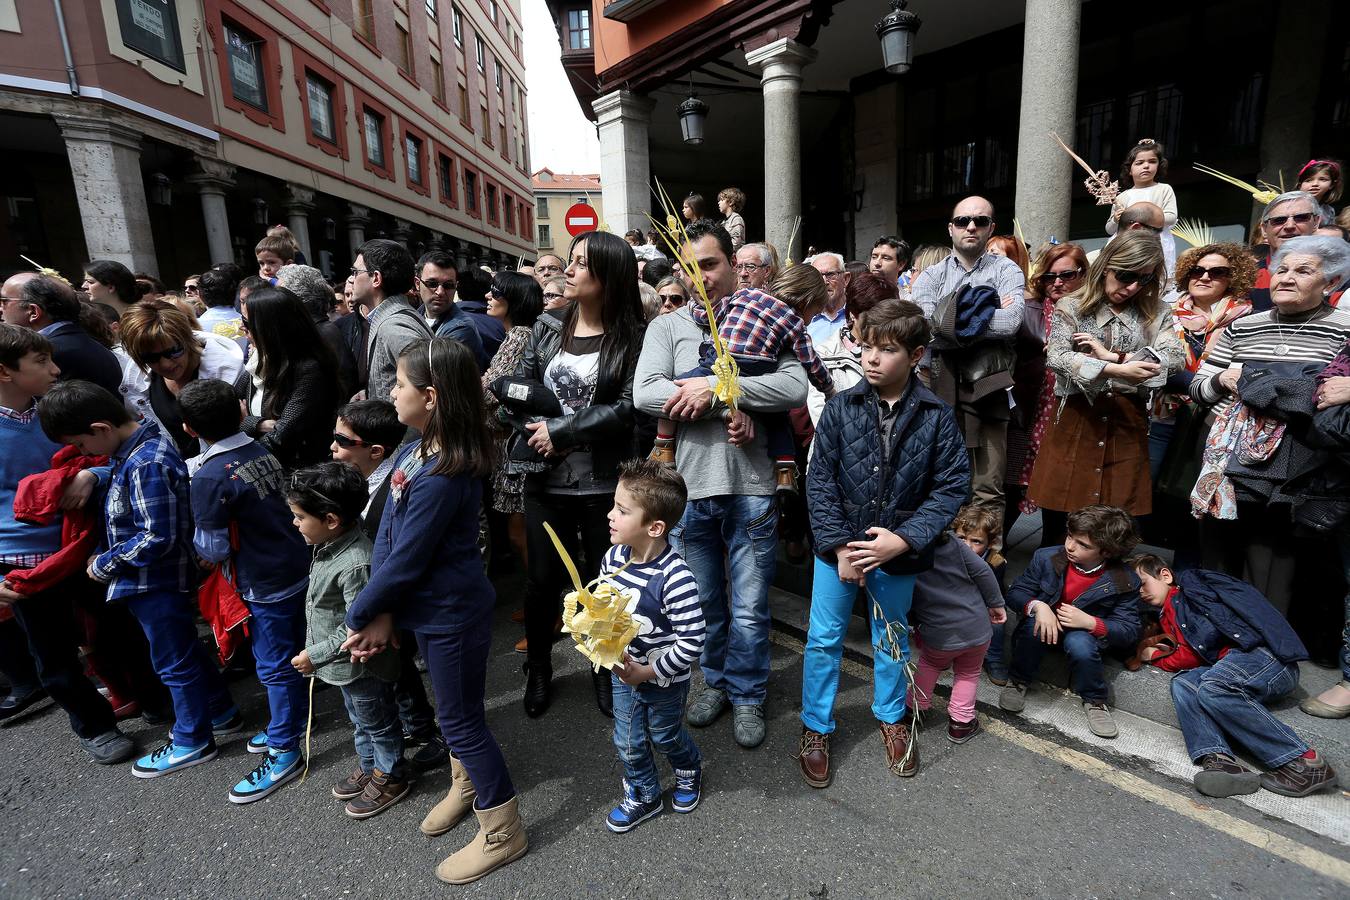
{"x": 242, "y": 521}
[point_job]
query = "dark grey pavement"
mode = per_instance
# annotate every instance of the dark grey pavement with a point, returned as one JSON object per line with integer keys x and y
{"x": 988, "y": 819}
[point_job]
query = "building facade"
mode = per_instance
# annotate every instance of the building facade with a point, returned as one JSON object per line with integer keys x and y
{"x": 169, "y": 134}
{"x": 554, "y": 194}
{"x": 803, "y": 117}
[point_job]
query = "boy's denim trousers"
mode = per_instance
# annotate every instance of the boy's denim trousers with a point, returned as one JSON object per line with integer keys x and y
{"x": 730, "y": 544}
{"x": 650, "y": 716}
{"x": 831, "y": 606}
{"x": 278, "y": 634}
{"x": 195, "y": 686}
{"x": 1084, "y": 652}
{"x": 379, "y": 733}
{"x": 1229, "y": 699}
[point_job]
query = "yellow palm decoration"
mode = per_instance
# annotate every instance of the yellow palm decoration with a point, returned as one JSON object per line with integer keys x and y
{"x": 45, "y": 270}
{"x": 1263, "y": 194}
{"x": 673, "y": 235}
{"x": 1194, "y": 232}
{"x": 599, "y": 615}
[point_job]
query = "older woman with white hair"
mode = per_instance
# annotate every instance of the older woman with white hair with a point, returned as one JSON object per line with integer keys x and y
{"x": 1259, "y": 382}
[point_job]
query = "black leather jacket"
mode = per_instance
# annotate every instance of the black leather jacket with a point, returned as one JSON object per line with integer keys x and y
{"x": 607, "y": 425}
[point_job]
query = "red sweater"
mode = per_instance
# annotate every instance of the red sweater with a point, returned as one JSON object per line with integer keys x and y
{"x": 1183, "y": 657}
{"x": 1075, "y": 583}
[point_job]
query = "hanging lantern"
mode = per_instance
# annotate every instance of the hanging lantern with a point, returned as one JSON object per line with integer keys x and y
{"x": 693, "y": 113}
{"x": 896, "y": 32}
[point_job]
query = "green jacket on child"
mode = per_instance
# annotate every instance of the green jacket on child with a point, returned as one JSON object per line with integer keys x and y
{"x": 339, "y": 571}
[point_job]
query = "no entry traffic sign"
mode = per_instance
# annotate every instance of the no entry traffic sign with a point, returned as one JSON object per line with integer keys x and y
{"x": 581, "y": 218}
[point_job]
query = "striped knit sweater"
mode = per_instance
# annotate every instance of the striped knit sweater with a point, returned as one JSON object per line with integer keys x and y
{"x": 669, "y": 615}
{"x": 1309, "y": 337}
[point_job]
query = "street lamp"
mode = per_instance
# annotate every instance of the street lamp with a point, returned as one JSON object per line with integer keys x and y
{"x": 693, "y": 113}
{"x": 896, "y": 32}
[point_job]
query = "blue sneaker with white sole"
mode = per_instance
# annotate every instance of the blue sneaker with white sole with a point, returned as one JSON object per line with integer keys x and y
{"x": 688, "y": 790}
{"x": 171, "y": 757}
{"x": 228, "y": 722}
{"x": 632, "y": 811}
{"x": 258, "y": 743}
{"x": 275, "y": 770}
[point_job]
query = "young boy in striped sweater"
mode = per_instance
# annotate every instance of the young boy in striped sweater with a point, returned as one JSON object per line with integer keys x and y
{"x": 652, "y": 683}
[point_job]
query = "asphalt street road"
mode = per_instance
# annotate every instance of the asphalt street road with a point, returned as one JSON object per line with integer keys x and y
{"x": 1011, "y": 814}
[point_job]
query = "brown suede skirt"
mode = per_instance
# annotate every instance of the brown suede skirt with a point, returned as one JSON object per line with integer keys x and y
{"x": 1095, "y": 453}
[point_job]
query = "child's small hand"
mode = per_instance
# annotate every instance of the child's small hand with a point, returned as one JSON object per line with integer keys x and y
{"x": 89, "y": 571}
{"x": 1073, "y": 617}
{"x": 8, "y": 595}
{"x": 847, "y": 573}
{"x": 77, "y": 493}
{"x": 633, "y": 673}
{"x": 885, "y": 546}
{"x": 1047, "y": 627}
{"x": 302, "y": 663}
{"x": 740, "y": 429}
{"x": 998, "y": 615}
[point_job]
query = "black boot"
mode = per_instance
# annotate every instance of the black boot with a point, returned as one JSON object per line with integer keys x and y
{"x": 604, "y": 691}
{"x": 538, "y": 688}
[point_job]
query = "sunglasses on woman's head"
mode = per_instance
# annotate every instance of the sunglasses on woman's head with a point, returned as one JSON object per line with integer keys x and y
{"x": 1211, "y": 272}
{"x": 348, "y": 442}
{"x": 1143, "y": 279}
{"x": 156, "y": 355}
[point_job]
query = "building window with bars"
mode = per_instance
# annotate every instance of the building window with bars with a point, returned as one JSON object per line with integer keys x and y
{"x": 320, "y": 96}
{"x": 244, "y": 52}
{"x": 372, "y": 124}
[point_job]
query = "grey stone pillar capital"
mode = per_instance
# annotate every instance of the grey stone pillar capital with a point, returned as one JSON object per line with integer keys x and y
{"x": 358, "y": 215}
{"x": 783, "y": 59}
{"x": 82, "y": 128}
{"x": 623, "y": 105}
{"x": 299, "y": 200}
{"x": 212, "y": 176}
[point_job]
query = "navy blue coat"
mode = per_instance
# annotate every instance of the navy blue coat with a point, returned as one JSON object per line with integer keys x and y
{"x": 850, "y": 487}
{"x": 1216, "y": 610}
{"x": 78, "y": 355}
{"x": 1113, "y": 597}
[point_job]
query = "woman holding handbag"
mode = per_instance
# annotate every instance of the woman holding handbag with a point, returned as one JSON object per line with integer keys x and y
{"x": 1110, "y": 343}
{"x": 584, "y": 355}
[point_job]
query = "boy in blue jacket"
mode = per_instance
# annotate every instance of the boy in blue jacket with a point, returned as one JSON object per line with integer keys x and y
{"x": 147, "y": 563}
{"x": 888, "y": 475}
{"x": 1081, "y": 597}
{"x": 1233, "y": 653}
{"x": 238, "y": 488}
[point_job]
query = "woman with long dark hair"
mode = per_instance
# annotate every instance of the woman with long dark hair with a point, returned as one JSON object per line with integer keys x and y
{"x": 289, "y": 384}
{"x": 108, "y": 281}
{"x": 584, "y": 355}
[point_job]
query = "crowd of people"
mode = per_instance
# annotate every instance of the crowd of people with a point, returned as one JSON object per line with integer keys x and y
{"x": 325, "y": 474}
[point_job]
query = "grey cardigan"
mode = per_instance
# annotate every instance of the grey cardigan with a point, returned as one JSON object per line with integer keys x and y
{"x": 952, "y": 599}
{"x": 393, "y": 326}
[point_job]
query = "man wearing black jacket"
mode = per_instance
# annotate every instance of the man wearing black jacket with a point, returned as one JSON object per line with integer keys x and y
{"x": 51, "y": 307}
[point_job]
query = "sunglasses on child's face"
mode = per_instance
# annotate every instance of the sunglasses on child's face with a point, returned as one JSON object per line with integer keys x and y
{"x": 348, "y": 442}
{"x": 156, "y": 355}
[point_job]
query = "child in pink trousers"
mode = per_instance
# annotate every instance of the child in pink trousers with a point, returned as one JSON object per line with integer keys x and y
{"x": 954, "y": 604}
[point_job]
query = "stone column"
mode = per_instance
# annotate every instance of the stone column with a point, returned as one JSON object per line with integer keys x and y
{"x": 299, "y": 204}
{"x": 461, "y": 251}
{"x": 1295, "y": 70}
{"x": 625, "y": 160}
{"x": 1045, "y": 173}
{"x": 358, "y": 217}
{"x": 403, "y": 233}
{"x": 780, "y": 64}
{"x": 213, "y": 178}
{"x": 105, "y": 164}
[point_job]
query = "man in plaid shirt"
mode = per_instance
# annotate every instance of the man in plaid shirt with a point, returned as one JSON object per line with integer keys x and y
{"x": 756, "y": 328}
{"x": 148, "y": 563}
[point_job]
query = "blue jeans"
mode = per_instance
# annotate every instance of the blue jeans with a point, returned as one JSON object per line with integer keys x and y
{"x": 993, "y": 657}
{"x": 379, "y": 734}
{"x": 1229, "y": 697}
{"x": 195, "y": 686}
{"x": 1159, "y": 437}
{"x": 650, "y": 715}
{"x": 1084, "y": 652}
{"x": 734, "y": 534}
{"x": 457, "y": 664}
{"x": 278, "y": 634}
{"x": 831, "y": 606}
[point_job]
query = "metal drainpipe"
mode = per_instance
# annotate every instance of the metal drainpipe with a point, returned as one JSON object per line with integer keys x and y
{"x": 71, "y": 78}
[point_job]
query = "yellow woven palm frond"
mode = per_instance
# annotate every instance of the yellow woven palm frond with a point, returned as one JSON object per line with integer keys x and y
{"x": 598, "y": 616}
{"x": 1265, "y": 193}
{"x": 1098, "y": 182}
{"x": 45, "y": 270}
{"x": 674, "y": 236}
{"x": 1194, "y": 232}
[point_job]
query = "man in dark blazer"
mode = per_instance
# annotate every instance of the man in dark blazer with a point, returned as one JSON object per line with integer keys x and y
{"x": 51, "y": 307}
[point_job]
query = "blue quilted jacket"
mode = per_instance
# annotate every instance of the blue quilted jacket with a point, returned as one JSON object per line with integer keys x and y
{"x": 850, "y": 487}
